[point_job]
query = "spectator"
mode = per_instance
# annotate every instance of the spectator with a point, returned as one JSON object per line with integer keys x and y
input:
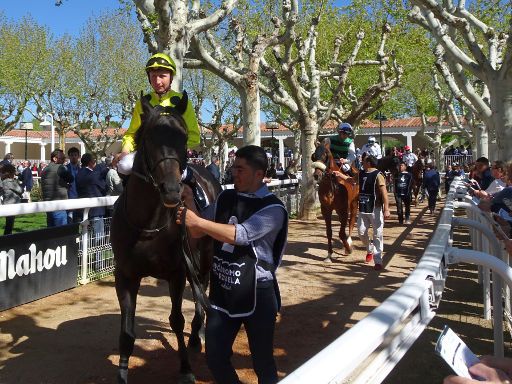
{"x": 114, "y": 184}
{"x": 492, "y": 370}
{"x": 20, "y": 166}
{"x": 42, "y": 166}
{"x": 483, "y": 173}
{"x": 228, "y": 174}
{"x": 55, "y": 181}
{"x": 291, "y": 170}
{"x": 91, "y": 183}
{"x": 74, "y": 216}
{"x": 8, "y": 159}
{"x": 271, "y": 172}
{"x": 11, "y": 192}
{"x": 448, "y": 178}
{"x": 403, "y": 184}
{"x": 498, "y": 171}
{"x": 372, "y": 148}
{"x": 280, "y": 167}
{"x": 431, "y": 183}
{"x": 27, "y": 180}
{"x": 409, "y": 158}
{"x": 213, "y": 167}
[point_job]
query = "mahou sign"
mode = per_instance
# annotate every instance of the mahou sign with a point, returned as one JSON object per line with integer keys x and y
{"x": 37, "y": 264}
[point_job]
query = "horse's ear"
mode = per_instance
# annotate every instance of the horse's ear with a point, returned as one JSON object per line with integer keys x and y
{"x": 145, "y": 103}
{"x": 180, "y": 104}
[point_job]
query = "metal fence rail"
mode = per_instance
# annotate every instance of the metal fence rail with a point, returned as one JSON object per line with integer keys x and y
{"x": 368, "y": 351}
{"x": 95, "y": 256}
{"x": 459, "y": 159}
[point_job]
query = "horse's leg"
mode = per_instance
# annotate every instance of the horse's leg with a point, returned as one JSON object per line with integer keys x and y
{"x": 353, "y": 206}
{"x": 327, "y": 214}
{"x": 197, "y": 331}
{"x": 342, "y": 211}
{"x": 126, "y": 290}
{"x": 177, "y": 322}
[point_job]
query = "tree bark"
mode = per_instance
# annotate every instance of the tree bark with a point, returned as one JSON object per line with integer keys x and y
{"x": 308, "y": 210}
{"x": 250, "y": 102}
{"x": 501, "y": 118}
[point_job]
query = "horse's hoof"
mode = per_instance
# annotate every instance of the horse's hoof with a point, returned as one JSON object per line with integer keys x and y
{"x": 187, "y": 378}
{"x": 122, "y": 376}
{"x": 328, "y": 259}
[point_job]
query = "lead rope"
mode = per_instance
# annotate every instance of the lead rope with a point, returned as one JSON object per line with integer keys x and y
{"x": 197, "y": 288}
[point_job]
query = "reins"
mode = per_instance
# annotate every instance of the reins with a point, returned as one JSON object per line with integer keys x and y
{"x": 197, "y": 288}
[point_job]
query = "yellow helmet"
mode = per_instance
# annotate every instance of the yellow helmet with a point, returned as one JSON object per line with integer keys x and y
{"x": 161, "y": 60}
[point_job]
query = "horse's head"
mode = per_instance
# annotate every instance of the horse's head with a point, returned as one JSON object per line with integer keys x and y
{"x": 161, "y": 149}
{"x": 319, "y": 158}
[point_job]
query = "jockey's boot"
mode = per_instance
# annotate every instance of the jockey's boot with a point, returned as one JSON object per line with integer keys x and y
{"x": 347, "y": 169}
{"x": 199, "y": 195}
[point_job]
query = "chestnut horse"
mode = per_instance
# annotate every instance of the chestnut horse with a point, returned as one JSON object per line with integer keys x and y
{"x": 145, "y": 238}
{"x": 341, "y": 197}
{"x": 417, "y": 179}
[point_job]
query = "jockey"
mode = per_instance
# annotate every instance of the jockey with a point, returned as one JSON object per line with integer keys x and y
{"x": 160, "y": 69}
{"x": 409, "y": 158}
{"x": 372, "y": 148}
{"x": 342, "y": 147}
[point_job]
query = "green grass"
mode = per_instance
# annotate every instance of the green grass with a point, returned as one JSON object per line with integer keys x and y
{"x": 26, "y": 223}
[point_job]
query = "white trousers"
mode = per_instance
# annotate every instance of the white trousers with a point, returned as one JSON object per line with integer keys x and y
{"x": 376, "y": 221}
{"x": 125, "y": 165}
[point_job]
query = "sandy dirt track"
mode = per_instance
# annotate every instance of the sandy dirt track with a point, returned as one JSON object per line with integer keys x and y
{"x": 71, "y": 337}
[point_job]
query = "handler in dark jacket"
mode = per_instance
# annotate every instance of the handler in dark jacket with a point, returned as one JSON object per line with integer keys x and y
{"x": 403, "y": 184}
{"x": 431, "y": 182}
{"x": 55, "y": 180}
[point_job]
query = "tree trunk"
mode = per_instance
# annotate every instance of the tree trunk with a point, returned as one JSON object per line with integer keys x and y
{"x": 177, "y": 52}
{"x": 296, "y": 145}
{"x": 482, "y": 141}
{"x": 308, "y": 210}
{"x": 250, "y": 99}
{"x": 501, "y": 106}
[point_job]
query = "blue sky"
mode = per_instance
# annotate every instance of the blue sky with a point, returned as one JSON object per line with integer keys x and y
{"x": 68, "y": 18}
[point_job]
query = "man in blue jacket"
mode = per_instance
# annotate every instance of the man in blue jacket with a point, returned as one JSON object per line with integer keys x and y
{"x": 431, "y": 182}
{"x": 91, "y": 183}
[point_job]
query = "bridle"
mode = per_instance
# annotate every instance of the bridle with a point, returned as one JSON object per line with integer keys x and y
{"x": 148, "y": 168}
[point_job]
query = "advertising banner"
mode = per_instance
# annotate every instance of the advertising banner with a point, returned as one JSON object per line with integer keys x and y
{"x": 37, "y": 264}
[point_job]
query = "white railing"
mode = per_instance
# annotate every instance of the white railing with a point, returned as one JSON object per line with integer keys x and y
{"x": 459, "y": 159}
{"x": 368, "y": 351}
{"x": 95, "y": 257}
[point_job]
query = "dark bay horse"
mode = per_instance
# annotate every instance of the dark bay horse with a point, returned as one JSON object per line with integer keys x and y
{"x": 335, "y": 196}
{"x": 146, "y": 240}
{"x": 417, "y": 178}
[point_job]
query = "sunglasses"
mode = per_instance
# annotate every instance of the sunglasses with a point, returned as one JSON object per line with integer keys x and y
{"x": 158, "y": 60}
